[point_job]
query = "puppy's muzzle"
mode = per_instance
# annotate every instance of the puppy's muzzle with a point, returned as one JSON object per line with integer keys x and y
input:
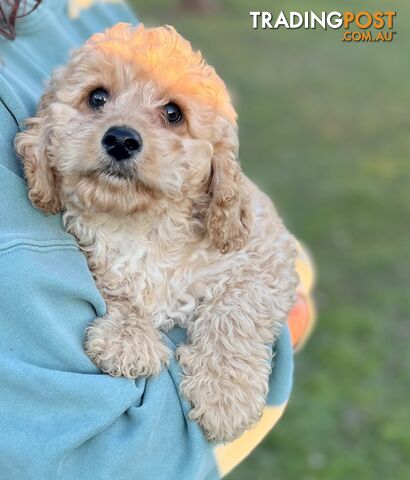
{"x": 121, "y": 142}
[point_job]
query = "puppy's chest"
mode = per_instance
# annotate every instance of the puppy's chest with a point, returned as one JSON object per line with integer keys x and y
{"x": 166, "y": 282}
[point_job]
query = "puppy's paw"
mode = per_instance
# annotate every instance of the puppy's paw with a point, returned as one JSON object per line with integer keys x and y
{"x": 222, "y": 420}
{"x": 226, "y": 399}
{"x": 126, "y": 352}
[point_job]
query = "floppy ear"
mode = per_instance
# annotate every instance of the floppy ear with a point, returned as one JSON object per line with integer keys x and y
{"x": 31, "y": 146}
{"x": 229, "y": 217}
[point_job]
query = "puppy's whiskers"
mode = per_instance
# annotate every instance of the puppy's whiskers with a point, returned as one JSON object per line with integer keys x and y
{"x": 123, "y": 171}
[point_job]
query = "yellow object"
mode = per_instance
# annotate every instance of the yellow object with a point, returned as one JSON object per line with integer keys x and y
{"x": 75, "y": 7}
{"x": 228, "y": 456}
{"x": 302, "y": 317}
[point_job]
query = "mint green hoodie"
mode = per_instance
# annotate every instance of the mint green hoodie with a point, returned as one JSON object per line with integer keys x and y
{"x": 60, "y": 417}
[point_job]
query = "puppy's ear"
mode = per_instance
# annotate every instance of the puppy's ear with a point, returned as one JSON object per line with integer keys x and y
{"x": 228, "y": 218}
{"x": 31, "y": 145}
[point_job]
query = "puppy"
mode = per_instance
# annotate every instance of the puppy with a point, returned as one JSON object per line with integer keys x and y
{"x": 136, "y": 141}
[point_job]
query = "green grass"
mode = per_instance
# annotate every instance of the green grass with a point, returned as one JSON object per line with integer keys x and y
{"x": 324, "y": 129}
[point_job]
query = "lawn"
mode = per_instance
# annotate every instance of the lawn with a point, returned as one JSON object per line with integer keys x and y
{"x": 324, "y": 129}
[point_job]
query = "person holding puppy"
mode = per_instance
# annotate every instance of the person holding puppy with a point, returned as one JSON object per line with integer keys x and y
{"x": 60, "y": 416}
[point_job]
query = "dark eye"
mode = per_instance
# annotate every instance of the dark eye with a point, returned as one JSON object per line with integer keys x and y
{"x": 173, "y": 113}
{"x": 98, "y": 98}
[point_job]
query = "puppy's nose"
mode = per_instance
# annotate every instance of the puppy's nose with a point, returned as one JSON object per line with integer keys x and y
{"x": 121, "y": 142}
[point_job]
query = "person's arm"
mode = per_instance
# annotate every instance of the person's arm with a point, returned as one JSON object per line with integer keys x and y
{"x": 58, "y": 413}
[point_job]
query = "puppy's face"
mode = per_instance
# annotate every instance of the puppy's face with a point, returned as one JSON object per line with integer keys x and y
{"x": 135, "y": 119}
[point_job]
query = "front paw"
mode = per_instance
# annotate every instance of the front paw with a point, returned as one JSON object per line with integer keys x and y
{"x": 226, "y": 399}
{"x": 127, "y": 352}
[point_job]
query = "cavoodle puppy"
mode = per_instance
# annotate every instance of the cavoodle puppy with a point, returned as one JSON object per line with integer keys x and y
{"x": 135, "y": 140}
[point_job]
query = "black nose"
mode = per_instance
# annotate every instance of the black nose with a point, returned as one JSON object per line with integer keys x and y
{"x": 121, "y": 142}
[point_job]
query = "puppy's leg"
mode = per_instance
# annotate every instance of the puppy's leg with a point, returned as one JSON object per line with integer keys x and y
{"x": 121, "y": 343}
{"x": 228, "y": 360}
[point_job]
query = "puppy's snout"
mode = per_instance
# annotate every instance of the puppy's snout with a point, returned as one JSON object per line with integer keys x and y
{"x": 121, "y": 142}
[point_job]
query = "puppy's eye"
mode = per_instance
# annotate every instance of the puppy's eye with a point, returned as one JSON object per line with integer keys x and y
{"x": 98, "y": 98}
{"x": 173, "y": 113}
